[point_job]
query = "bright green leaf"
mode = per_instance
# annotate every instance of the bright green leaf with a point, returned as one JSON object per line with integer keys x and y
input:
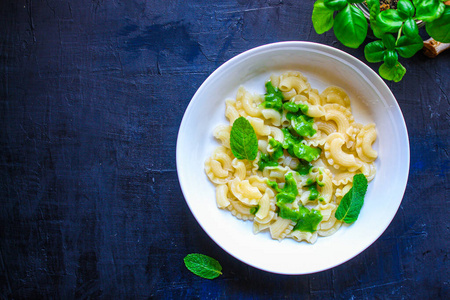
{"x": 374, "y": 51}
{"x": 352, "y": 202}
{"x": 407, "y": 46}
{"x": 389, "y": 20}
{"x": 428, "y": 10}
{"x": 335, "y": 4}
{"x": 243, "y": 140}
{"x": 203, "y": 265}
{"x": 405, "y": 9}
{"x": 355, "y": 1}
{"x": 350, "y": 26}
{"x": 439, "y": 29}
{"x": 410, "y": 28}
{"x": 374, "y": 10}
{"x": 390, "y": 58}
{"x": 389, "y": 41}
{"x": 394, "y": 73}
{"x": 322, "y": 17}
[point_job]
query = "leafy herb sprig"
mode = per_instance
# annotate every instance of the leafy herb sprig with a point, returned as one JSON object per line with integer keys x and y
{"x": 351, "y": 204}
{"x": 203, "y": 265}
{"x": 396, "y": 29}
{"x": 243, "y": 140}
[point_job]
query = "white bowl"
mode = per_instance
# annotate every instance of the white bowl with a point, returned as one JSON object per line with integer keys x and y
{"x": 371, "y": 100}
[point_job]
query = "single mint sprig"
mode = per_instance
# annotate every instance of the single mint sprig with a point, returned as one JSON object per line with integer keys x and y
{"x": 351, "y": 204}
{"x": 203, "y": 265}
{"x": 243, "y": 140}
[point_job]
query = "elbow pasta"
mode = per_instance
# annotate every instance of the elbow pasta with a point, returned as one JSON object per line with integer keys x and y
{"x": 347, "y": 148}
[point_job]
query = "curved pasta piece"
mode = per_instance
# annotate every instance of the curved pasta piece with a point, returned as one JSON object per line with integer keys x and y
{"x": 258, "y": 182}
{"x": 264, "y": 204}
{"x": 325, "y": 186}
{"x": 369, "y": 170}
{"x": 341, "y": 191}
{"x": 245, "y": 192}
{"x": 330, "y": 231}
{"x": 222, "y": 196}
{"x": 240, "y": 171}
{"x": 249, "y": 102}
{"x": 326, "y": 211}
{"x": 272, "y": 116}
{"x": 258, "y": 227}
{"x": 259, "y": 127}
{"x": 230, "y": 111}
{"x": 364, "y": 141}
{"x": 338, "y": 158}
{"x": 222, "y": 133}
{"x": 304, "y": 236}
{"x": 240, "y": 211}
{"x": 280, "y": 228}
{"x": 343, "y": 178}
{"x": 340, "y": 115}
{"x": 314, "y": 110}
{"x": 334, "y": 94}
{"x": 277, "y": 134}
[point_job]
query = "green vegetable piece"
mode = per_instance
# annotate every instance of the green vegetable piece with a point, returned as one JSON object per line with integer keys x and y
{"x": 407, "y": 46}
{"x": 322, "y": 17}
{"x": 350, "y": 26}
{"x": 429, "y": 10}
{"x": 394, "y": 73}
{"x": 290, "y": 185}
{"x": 306, "y": 152}
{"x": 405, "y": 9}
{"x": 284, "y": 198}
{"x": 289, "y": 141}
{"x": 271, "y": 160}
{"x": 351, "y": 204}
{"x": 273, "y": 98}
{"x": 293, "y": 107}
{"x": 274, "y": 185}
{"x": 389, "y": 41}
{"x": 303, "y": 125}
{"x": 390, "y": 58}
{"x": 309, "y": 220}
{"x": 410, "y": 28}
{"x": 374, "y": 51}
{"x": 374, "y": 10}
{"x": 254, "y": 210}
{"x": 335, "y": 4}
{"x": 243, "y": 140}
{"x": 439, "y": 29}
{"x": 310, "y": 181}
{"x": 203, "y": 265}
{"x": 304, "y": 167}
{"x": 389, "y": 20}
{"x": 313, "y": 192}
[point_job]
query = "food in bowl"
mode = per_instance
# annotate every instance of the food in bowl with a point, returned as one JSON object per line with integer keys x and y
{"x": 289, "y": 157}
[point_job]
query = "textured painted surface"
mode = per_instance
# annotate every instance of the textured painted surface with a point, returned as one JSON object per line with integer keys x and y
{"x": 91, "y": 97}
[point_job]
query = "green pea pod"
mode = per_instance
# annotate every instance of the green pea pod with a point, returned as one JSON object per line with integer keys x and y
{"x": 389, "y": 41}
{"x": 389, "y": 20}
{"x": 390, "y": 58}
{"x": 410, "y": 28}
{"x": 405, "y": 9}
{"x": 350, "y": 26}
{"x": 322, "y": 17}
{"x": 374, "y": 51}
{"x": 335, "y": 4}
{"x": 439, "y": 29}
{"x": 407, "y": 46}
{"x": 428, "y": 10}
{"x": 394, "y": 73}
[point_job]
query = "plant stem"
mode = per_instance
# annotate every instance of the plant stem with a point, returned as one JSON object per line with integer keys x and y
{"x": 399, "y": 34}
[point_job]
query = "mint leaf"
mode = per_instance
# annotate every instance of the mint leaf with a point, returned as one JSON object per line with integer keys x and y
{"x": 351, "y": 204}
{"x": 203, "y": 265}
{"x": 243, "y": 140}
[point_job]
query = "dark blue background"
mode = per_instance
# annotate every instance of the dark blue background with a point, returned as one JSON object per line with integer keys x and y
{"x": 92, "y": 94}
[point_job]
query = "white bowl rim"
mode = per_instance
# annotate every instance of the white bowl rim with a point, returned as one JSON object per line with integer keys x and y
{"x": 277, "y": 46}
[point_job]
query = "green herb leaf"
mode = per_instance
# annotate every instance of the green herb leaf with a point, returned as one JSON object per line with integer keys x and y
{"x": 407, "y": 46}
{"x": 405, "y": 9}
{"x": 389, "y": 20}
{"x": 410, "y": 28}
{"x": 335, "y": 4}
{"x": 374, "y": 10}
{"x": 351, "y": 204}
{"x": 394, "y": 73}
{"x": 322, "y": 17}
{"x": 203, "y": 265}
{"x": 439, "y": 29}
{"x": 243, "y": 140}
{"x": 374, "y": 51}
{"x": 389, "y": 41}
{"x": 350, "y": 26}
{"x": 428, "y": 10}
{"x": 390, "y": 58}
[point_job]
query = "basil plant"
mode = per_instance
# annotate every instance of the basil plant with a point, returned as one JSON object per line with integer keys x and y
{"x": 396, "y": 29}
